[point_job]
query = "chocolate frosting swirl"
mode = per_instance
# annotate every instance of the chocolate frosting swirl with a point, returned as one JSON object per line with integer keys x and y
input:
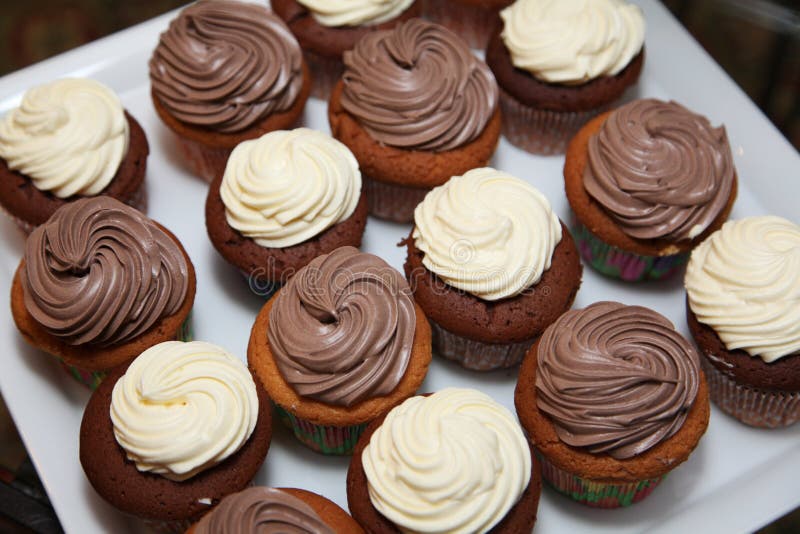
{"x": 418, "y": 87}
{"x": 226, "y": 65}
{"x": 99, "y": 272}
{"x": 262, "y": 510}
{"x": 659, "y": 170}
{"x": 342, "y": 328}
{"x": 615, "y": 379}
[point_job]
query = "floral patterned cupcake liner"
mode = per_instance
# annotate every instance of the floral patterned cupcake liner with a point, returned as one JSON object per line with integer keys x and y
{"x": 476, "y": 355}
{"x": 473, "y": 23}
{"x": 392, "y": 202}
{"x": 617, "y": 263}
{"x": 753, "y": 406}
{"x": 92, "y": 379}
{"x": 596, "y": 494}
{"x": 333, "y": 440}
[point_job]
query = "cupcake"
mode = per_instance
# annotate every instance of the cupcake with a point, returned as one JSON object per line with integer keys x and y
{"x": 473, "y": 20}
{"x": 284, "y": 199}
{"x": 167, "y": 436}
{"x": 69, "y": 139}
{"x": 743, "y": 310}
{"x": 561, "y": 62}
{"x": 98, "y": 284}
{"x": 454, "y": 461}
{"x": 262, "y": 509}
{"x": 225, "y": 72}
{"x": 416, "y": 107}
{"x": 491, "y": 265}
{"x": 341, "y": 343}
{"x": 647, "y": 182}
{"x": 613, "y": 399}
{"x": 328, "y": 28}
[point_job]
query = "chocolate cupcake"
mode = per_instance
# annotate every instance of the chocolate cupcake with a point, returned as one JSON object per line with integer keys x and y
{"x": 473, "y": 20}
{"x": 561, "y": 62}
{"x": 647, "y": 182}
{"x": 416, "y": 107}
{"x": 166, "y": 437}
{"x": 491, "y": 265}
{"x": 451, "y": 461}
{"x": 612, "y": 398}
{"x": 69, "y": 139}
{"x": 328, "y": 28}
{"x": 340, "y": 344}
{"x": 99, "y": 283}
{"x": 262, "y": 509}
{"x": 284, "y": 199}
{"x": 225, "y": 72}
{"x": 743, "y": 310}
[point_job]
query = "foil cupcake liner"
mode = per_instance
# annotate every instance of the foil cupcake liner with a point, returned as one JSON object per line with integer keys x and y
{"x": 596, "y": 494}
{"x": 392, "y": 202}
{"x": 541, "y": 131}
{"x": 476, "y": 355}
{"x": 472, "y": 23}
{"x": 325, "y": 73}
{"x": 92, "y": 379}
{"x": 753, "y": 406}
{"x": 204, "y": 161}
{"x": 617, "y": 263}
{"x": 332, "y": 440}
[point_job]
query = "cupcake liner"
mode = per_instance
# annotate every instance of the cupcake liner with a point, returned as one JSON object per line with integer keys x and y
{"x": 392, "y": 202}
{"x": 92, "y": 379}
{"x": 476, "y": 355}
{"x": 617, "y": 263}
{"x": 541, "y": 131}
{"x": 138, "y": 200}
{"x": 333, "y": 440}
{"x": 472, "y": 23}
{"x": 204, "y": 161}
{"x": 753, "y": 406}
{"x": 325, "y": 73}
{"x": 596, "y": 494}
{"x": 175, "y": 526}
{"x": 263, "y": 287}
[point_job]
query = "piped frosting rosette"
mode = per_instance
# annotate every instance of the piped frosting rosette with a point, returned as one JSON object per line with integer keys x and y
{"x": 335, "y": 13}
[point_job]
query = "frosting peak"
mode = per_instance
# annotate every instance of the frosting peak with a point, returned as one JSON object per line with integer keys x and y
{"x": 615, "y": 379}
{"x": 342, "y": 328}
{"x": 68, "y": 136}
{"x": 226, "y": 65}
{"x": 100, "y": 272}
{"x": 418, "y": 87}
{"x": 337, "y": 13}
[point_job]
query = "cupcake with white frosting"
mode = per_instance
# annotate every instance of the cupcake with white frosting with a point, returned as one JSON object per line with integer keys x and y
{"x": 284, "y": 199}
{"x": 69, "y": 139}
{"x": 559, "y": 63}
{"x": 743, "y": 310}
{"x": 491, "y": 265}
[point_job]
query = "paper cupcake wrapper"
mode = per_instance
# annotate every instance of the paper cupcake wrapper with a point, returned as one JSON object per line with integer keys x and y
{"x": 472, "y": 23}
{"x": 392, "y": 202}
{"x": 92, "y": 379}
{"x": 617, "y": 263}
{"x": 541, "y": 131}
{"x": 325, "y": 73}
{"x": 263, "y": 287}
{"x": 176, "y": 526}
{"x": 596, "y": 494}
{"x": 476, "y": 355}
{"x": 753, "y": 406}
{"x": 204, "y": 161}
{"x": 333, "y": 440}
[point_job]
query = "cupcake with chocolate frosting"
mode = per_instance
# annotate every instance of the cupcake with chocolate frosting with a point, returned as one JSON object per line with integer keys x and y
{"x": 743, "y": 310}
{"x": 339, "y": 344}
{"x": 326, "y": 29}
{"x": 647, "y": 182}
{"x": 69, "y": 139}
{"x": 416, "y": 107}
{"x": 612, "y": 398}
{"x": 226, "y": 71}
{"x": 98, "y": 284}
{"x": 263, "y": 509}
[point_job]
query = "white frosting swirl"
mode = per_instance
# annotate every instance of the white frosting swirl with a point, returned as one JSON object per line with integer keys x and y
{"x": 355, "y": 12}
{"x": 68, "y": 136}
{"x": 487, "y": 232}
{"x": 572, "y": 41}
{"x": 289, "y": 186}
{"x": 744, "y": 282}
{"x": 181, "y": 408}
{"x": 453, "y": 462}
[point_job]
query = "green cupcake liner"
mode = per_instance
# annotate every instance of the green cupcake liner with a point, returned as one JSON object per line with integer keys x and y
{"x": 332, "y": 440}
